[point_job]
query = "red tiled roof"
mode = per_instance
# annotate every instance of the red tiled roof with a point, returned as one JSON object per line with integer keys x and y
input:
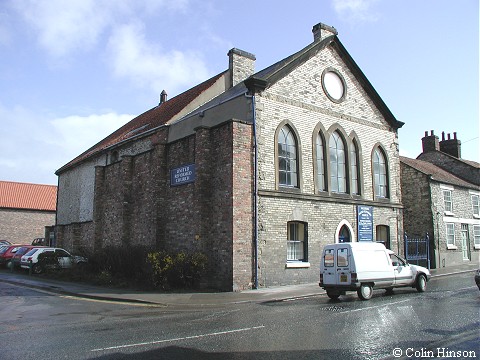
{"x": 16, "y": 195}
{"x": 150, "y": 119}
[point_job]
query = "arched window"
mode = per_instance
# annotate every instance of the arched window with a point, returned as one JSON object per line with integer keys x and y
{"x": 354, "y": 170}
{"x": 338, "y": 171}
{"x": 287, "y": 158}
{"x": 344, "y": 235}
{"x": 321, "y": 173}
{"x": 380, "y": 173}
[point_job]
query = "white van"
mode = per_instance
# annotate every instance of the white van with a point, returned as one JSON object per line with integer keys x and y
{"x": 364, "y": 266}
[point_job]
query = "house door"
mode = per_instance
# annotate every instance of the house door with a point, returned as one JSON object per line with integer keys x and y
{"x": 465, "y": 242}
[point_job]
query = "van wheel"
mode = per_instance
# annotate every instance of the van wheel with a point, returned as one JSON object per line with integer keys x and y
{"x": 332, "y": 296}
{"x": 421, "y": 283}
{"x": 365, "y": 292}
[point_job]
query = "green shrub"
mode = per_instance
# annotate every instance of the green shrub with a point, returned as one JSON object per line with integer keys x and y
{"x": 179, "y": 270}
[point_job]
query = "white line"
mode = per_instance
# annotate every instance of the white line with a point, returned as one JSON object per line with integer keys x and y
{"x": 374, "y": 307}
{"x": 178, "y": 339}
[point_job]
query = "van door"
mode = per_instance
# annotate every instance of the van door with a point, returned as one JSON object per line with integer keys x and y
{"x": 402, "y": 271}
{"x": 329, "y": 276}
{"x": 342, "y": 268}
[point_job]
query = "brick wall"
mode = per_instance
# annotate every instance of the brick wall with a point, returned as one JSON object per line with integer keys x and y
{"x": 22, "y": 226}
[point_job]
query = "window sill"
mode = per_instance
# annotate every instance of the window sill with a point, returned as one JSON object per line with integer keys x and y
{"x": 451, "y": 247}
{"x": 475, "y": 216}
{"x": 448, "y": 213}
{"x": 297, "y": 264}
{"x": 476, "y": 247}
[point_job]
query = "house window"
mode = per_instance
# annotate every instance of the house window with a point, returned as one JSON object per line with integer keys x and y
{"x": 447, "y": 200}
{"x": 338, "y": 171}
{"x": 450, "y": 236}
{"x": 476, "y": 205}
{"x": 476, "y": 236}
{"x": 320, "y": 145}
{"x": 287, "y": 158}
{"x": 380, "y": 174}
{"x": 354, "y": 168}
{"x": 296, "y": 241}
{"x": 383, "y": 235}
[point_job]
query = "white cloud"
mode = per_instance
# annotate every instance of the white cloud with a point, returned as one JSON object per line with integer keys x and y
{"x": 33, "y": 146}
{"x": 64, "y": 27}
{"x": 356, "y": 10}
{"x": 146, "y": 65}
{"x": 75, "y": 134}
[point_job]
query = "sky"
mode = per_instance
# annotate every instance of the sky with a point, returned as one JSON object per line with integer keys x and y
{"x": 72, "y": 72}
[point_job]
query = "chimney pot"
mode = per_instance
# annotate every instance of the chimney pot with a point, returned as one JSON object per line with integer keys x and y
{"x": 163, "y": 97}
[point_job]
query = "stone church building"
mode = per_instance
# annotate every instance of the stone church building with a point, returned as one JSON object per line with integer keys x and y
{"x": 257, "y": 170}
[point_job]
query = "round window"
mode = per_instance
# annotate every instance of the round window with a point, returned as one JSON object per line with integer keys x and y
{"x": 333, "y": 85}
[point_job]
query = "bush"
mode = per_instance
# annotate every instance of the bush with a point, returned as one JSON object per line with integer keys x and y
{"x": 178, "y": 270}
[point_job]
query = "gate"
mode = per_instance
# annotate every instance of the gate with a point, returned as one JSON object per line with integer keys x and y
{"x": 417, "y": 250}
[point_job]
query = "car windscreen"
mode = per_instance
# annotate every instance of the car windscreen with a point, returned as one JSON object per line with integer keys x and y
{"x": 22, "y": 251}
{"x": 31, "y": 252}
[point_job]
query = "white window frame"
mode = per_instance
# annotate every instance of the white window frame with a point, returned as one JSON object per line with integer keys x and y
{"x": 296, "y": 262}
{"x": 448, "y": 201}
{"x": 450, "y": 236}
{"x": 476, "y": 205}
{"x": 476, "y": 237}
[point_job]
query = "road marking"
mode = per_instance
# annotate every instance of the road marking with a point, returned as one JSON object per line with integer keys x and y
{"x": 178, "y": 339}
{"x": 374, "y": 307}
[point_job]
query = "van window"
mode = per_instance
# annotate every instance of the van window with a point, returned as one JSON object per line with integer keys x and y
{"x": 342, "y": 257}
{"x": 328, "y": 258}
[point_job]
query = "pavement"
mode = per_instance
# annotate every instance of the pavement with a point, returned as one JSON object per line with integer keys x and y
{"x": 186, "y": 299}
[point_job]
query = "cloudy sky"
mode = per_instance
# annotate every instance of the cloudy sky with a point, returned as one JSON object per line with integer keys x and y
{"x": 72, "y": 72}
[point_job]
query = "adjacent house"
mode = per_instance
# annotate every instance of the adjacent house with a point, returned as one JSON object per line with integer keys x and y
{"x": 441, "y": 193}
{"x": 258, "y": 170}
{"x": 25, "y": 211}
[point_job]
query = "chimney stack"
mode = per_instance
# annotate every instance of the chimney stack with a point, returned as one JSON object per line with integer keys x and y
{"x": 450, "y": 146}
{"x": 163, "y": 97}
{"x": 321, "y": 31}
{"x": 241, "y": 65}
{"x": 430, "y": 142}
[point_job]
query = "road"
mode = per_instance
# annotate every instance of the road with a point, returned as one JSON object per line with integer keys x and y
{"x": 442, "y": 322}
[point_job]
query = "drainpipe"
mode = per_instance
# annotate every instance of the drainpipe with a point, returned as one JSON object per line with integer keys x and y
{"x": 255, "y": 192}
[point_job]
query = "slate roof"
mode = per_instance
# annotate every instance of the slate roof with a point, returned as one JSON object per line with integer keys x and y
{"x": 15, "y": 195}
{"x": 436, "y": 173}
{"x": 153, "y": 118}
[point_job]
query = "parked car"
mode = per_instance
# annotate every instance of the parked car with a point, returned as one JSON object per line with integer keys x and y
{"x": 5, "y": 242}
{"x": 20, "y": 252}
{"x": 40, "y": 259}
{"x": 477, "y": 278}
{"x": 7, "y": 253}
{"x": 365, "y": 266}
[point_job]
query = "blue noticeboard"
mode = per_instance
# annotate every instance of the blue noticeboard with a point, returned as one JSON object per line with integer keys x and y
{"x": 365, "y": 223}
{"x": 182, "y": 175}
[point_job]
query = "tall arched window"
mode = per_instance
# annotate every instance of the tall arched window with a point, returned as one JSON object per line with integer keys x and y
{"x": 338, "y": 171}
{"x": 287, "y": 158}
{"x": 354, "y": 170}
{"x": 321, "y": 173}
{"x": 380, "y": 173}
